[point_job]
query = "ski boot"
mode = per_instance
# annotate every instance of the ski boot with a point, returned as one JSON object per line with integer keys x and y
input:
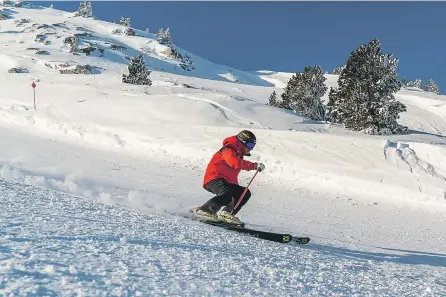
{"x": 228, "y": 218}
{"x": 205, "y": 215}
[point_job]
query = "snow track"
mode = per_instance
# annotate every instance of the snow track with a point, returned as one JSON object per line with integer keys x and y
{"x": 66, "y": 245}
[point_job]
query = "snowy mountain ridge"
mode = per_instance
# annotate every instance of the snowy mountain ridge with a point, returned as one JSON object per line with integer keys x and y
{"x": 45, "y": 38}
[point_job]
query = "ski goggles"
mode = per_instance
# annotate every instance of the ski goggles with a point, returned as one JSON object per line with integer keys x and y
{"x": 250, "y": 145}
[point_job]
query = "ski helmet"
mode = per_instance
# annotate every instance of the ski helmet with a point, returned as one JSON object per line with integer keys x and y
{"x": 247, "y": 138}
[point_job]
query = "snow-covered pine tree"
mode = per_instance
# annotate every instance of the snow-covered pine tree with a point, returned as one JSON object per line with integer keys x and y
{"x": 364, "y": 100}
{"x": 273, "y": 99}
{"x": 432, "y": 87}
{"x": 404, "y": 82}
{"x": 287, "y": 95}
{"x": 85, "y": 10}
{"x": 89, "y": 9}
{"x": 124, "y": 22}
{"x": 304, "y": 91}
{"x": 167, "y": 37}
{"x": 74, "y": 44}
{"x": 332, "y": 109}
{"x": 418, "y": 83}
{"x": 160, "y": 35}
{"x": 338, "y": 70}
{"x": 129, "y": 32}
{"x": 80, "y": 10}
{"x": 138, "y": 72}
{"x": 164, "y": 37}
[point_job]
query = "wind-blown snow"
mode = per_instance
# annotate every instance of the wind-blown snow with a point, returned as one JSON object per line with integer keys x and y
{"x": 132, "y": 156}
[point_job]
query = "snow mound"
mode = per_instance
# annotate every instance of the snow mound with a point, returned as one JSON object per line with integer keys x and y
{"x": 404, "y": 156}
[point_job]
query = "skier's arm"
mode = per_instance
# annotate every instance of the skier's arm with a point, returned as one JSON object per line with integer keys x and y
{"x": 233, "y": 161}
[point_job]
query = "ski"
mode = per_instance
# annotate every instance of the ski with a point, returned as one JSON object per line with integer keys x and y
{"x": 266, "y": 235}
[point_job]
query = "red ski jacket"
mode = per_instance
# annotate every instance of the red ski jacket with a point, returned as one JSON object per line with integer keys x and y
{"x": 227, "y": 162}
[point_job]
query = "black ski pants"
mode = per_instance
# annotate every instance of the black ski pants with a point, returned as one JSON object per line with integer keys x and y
{"x": 227, "y": 195}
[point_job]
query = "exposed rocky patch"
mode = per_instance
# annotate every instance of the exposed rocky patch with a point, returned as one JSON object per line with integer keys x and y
{"x": 18, "y": 70}
{"x": 73, "y": 68}
{"x": 69, "y": 39}
{"x": 73, "y": 42}
{"x": 79, "y": 28}
{"x": 22, "y": 22}
{"x": 60, "y": 25}
{"x": 78, "y": 69}
{"x": 83, "y": 34}
{"x": 117, "y": 47}
{"x": 45, "y": 53}
{"x": 44, "y": 26}
{"x": 3, "y": 16}
{"x": 42, "y": 38}
{"x": 7, "y": 3}
{"x": 186, "y": 61}
{"x": 88, "y": 49}
{"x": 130, "y": 32}
{"x": 21, "y": 4}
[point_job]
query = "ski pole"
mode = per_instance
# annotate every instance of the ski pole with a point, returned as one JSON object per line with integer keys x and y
{"x": 244, "y": 192}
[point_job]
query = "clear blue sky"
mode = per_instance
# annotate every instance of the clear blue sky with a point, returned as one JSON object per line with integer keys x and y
{"x": 287, "y": 36}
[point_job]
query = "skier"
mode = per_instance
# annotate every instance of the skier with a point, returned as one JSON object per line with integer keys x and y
{"x": 221, "y": 178}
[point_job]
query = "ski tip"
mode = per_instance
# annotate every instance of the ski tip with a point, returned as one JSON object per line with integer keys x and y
{"x": 301, "y": 240}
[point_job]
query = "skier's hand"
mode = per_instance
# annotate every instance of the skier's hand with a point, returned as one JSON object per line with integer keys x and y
{"x": 259, "y": 167}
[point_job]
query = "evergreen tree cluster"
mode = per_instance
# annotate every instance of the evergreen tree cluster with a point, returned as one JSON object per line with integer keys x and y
{"x": 431, "y": 85}
{"x": 138, "y": 72}
{"x": 130, "y": 32}
{"x": 164, "y": 37}
{"x": 418, "y": 83}
{"x": 124, "y": 22}
{"x": 85, "y": 10}
{"x": 338, "y": 70}
{"x": 273, "y": 100}
{"x": 363, "y": 100}
{"x": 303, "y": 93}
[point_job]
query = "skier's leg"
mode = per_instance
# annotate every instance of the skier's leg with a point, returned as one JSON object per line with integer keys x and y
{"x": 225, "y": 215}
{"x": 239, "y": 191}
{"x": 221, "y": 189}
{"x": 236, "y": 192}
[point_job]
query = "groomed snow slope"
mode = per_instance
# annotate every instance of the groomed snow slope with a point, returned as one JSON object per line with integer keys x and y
{"x": 68, "y": 246}
{"x": 146, "y": 148}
